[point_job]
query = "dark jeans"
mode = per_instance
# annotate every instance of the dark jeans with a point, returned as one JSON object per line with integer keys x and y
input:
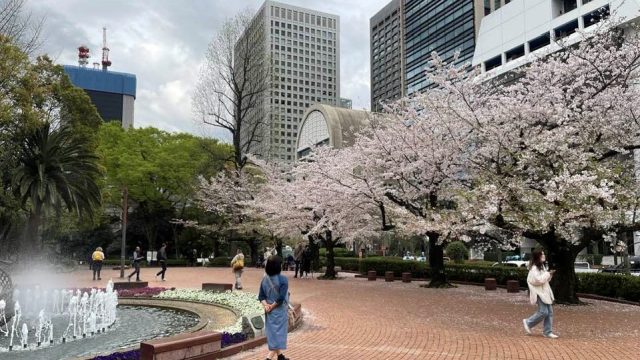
{"x": 298, "y": 269}
{"x": 136, "y": 271}
{"x": 97, "y": 266}
{"x": 164, "y": 268}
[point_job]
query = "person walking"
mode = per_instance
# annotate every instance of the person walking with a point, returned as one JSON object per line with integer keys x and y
{"x": 237, "y": 266}
{"x": 162, "y": 260}
{"x": 540, "y": 293}
{"x": 274, "y": 297}
{"x": 135, "y": 262}
{"x": 297, "y": 258}
{"x": 306, "y": 261}
{"x": 96, "y": 260}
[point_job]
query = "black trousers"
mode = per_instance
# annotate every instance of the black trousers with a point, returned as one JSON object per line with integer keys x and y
{"x": 298, "y": 268}
{"x": 136, "y": 271}
{"x": 164, "y": 268}
{"x": 97, "y": 266}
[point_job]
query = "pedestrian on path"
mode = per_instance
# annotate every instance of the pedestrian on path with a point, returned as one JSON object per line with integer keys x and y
{"x": 306, "y": 261}
{"x": 274, "y": 294}
{"x": 135, "y": 262}
{"x": 96, "y": 261}
{"x": 162, "y": 260}
{"x": 540, "y": 293}
{"x": 237, "y": 266}
{"x": 297, "y": 258}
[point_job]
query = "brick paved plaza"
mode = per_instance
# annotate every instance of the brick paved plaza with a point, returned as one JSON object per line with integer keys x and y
{"x": 357, "y": 319}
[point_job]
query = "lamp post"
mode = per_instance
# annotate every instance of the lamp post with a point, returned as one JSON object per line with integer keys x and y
{"x": 125, "y": 211}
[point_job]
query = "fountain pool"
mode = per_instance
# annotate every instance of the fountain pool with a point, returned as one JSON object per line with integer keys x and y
{"x": 133, "y": 324}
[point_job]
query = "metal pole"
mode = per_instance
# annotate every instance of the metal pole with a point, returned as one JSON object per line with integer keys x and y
{"x": 125, "y": 211}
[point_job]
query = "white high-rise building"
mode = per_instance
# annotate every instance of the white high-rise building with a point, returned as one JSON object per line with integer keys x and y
{"x": 304, "y": 50}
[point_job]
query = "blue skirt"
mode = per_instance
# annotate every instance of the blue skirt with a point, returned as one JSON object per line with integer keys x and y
{"x": 277, "y": 328}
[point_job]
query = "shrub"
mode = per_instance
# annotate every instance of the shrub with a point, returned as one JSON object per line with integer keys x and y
{"x": 221, "y": 261}
{"x": 617, "y": 286}
{"x": 625, "y": 287}
{"x": 457, "y": 251}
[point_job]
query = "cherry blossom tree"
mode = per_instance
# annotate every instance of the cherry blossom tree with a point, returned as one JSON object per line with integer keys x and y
{"x": 416, "y": 154}
{"x": 551, "y": 155}
{"x": 324, "y": 198}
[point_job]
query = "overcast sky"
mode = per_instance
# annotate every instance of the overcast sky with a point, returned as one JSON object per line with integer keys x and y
{"x": 163, "y": 42}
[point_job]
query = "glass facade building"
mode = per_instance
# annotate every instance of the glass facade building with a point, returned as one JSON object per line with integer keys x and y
{"x": 443, "y": 26}
{"x": 405, "y": 33}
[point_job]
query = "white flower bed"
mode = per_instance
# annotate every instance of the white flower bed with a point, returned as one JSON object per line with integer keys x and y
{"x": 244, "y": 303}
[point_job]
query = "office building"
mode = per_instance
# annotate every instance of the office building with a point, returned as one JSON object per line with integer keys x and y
{"x": 506, "y": 40}
{"x": 112, "y": 93}
{"x": 405, "y": 33}
{"x": 303, "y": 46}
{"x": 387, "y": 54}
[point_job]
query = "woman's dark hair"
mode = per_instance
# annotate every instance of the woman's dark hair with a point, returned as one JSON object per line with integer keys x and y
{"x": 274, "y": 265}
{"x": 536, "y": 258}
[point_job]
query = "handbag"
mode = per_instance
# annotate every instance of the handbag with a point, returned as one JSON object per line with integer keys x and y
{"x": 238, "y": 265}
{"x": 277, "y": 291}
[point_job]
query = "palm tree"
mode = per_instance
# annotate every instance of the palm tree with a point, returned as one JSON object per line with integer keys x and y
{"x": 57, "y": 170}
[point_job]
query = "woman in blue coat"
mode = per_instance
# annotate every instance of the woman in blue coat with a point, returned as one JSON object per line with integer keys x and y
{"x": 274, "y": 291}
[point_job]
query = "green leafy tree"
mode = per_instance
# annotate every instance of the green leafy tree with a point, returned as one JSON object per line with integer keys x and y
{"x": 56, "y": 171}
{"x": 37, "y": 103}
{"x": 160, "y": 171}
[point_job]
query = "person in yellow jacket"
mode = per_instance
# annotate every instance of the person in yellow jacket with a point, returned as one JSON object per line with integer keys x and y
{"x": 97, "y": 257}
{"x": 237, "y": 266}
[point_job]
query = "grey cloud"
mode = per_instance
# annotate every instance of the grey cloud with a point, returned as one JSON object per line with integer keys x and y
{"x": 163, "y": 42}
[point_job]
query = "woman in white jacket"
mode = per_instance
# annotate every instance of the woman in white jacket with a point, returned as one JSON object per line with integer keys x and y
{"x": 540, "y": 293}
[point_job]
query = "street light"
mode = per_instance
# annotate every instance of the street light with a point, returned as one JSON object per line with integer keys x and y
{"x": 125, "y": 211}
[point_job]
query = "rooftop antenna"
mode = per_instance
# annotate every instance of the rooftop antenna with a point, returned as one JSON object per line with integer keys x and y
{"x": 105, "y": 50}
{"x": 83, "y": 56}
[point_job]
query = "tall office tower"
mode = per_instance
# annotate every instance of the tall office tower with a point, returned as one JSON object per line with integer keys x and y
{"x": 443, "y": 26}
{"x": 303, "y": 47}
{"x": 387, "y": 54}
{"x": 405, "y": 33}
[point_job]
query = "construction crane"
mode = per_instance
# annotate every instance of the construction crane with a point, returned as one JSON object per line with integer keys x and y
{"x": 105, "y": 50}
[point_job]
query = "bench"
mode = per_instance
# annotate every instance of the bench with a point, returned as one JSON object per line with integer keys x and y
{"x": 217, "y": 287}
{"x": 192, "y": 346}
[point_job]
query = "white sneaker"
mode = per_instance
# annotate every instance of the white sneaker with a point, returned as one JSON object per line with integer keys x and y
{"x": 526, "y": 327}
{"x": 551, "y": 336}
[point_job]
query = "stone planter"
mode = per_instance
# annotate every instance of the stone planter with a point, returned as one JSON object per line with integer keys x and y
{"x": 371, "y": 275}
{"x": 406, "y": 277}
{"x": 490, "y": 284}
{"x": 388, "y": 276}
{"x": 513, "y": 286}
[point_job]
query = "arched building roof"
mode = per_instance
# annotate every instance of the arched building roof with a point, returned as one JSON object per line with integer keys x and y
{"x": 328, "y": 125}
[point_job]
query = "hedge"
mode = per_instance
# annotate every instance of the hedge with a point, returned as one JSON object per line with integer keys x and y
{"x": 625, "y": 287}
{"x": 170, "y": 262}
{"x": 221, "y": 261}
{"x": 617, "y": 286}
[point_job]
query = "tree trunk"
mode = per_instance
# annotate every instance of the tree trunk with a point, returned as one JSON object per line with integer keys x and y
{"x": 436, "y": 263}
{"x": 561, "y": 257}
{"x": 330, "y": 273}
{"x": 30, "y": 244}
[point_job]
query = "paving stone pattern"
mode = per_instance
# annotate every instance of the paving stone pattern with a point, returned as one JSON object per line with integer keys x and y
{"x": 359, "y": 319}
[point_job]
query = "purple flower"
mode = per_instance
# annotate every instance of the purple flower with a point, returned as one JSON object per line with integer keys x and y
{"x": 127, "y": 355}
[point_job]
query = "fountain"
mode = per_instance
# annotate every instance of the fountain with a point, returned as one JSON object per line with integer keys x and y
{"x": 86, "y": 314}
{"x": 38, "y": 323}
